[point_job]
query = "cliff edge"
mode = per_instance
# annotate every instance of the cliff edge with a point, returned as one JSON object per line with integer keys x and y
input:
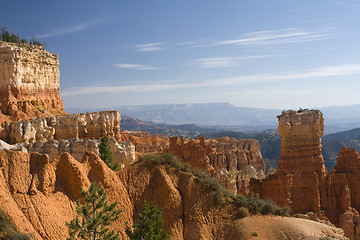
{"x": 29, "y": 82}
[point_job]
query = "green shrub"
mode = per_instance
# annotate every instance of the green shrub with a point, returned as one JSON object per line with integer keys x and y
{"x": 95, "y": 215}
{"x": 106, "y": 154}
{"x": 8, "y": 229}
{"x": 253, "y": 203}
{"x": 149, "y": 226}
{"x": 283, "y": 211}
{"x": 242, "y": 212}
{"x": 167, "y": 159}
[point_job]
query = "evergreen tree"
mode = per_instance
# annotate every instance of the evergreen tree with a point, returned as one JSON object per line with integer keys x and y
{"x": 95, "y": 216}
{"x": 106, "y": 154}
{"x": 149, "y": 226}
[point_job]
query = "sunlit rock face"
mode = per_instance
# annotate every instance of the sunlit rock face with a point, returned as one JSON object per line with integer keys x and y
{"x": 301, "y": 133}
{"x": 301, "y": 181}
{"x": 29, "y": 82}
{"x": 301, "y": 169}
{"x": 123, "y": 152}
{"x": 92, "y": 125}
{"x": 232, "y": 161}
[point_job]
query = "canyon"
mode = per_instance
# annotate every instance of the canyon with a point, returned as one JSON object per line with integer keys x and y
{"x": 54, "y": 154}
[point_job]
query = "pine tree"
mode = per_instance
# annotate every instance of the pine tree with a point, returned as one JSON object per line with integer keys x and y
{"x": 95, "y": 216}
{"x": 149, "y": 226}
{"x": 106, "y": 154}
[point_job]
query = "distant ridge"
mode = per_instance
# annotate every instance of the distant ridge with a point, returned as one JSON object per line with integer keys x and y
{"x": 339, "y": 118}
{"x": 205, "y": 114}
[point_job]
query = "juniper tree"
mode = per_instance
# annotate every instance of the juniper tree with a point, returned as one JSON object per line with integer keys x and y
{"x": 94, "y": 217}
{"x": 106, "y": 154}
{"x": 149, "y": 226}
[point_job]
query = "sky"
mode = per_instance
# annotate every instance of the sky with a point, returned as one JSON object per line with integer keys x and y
{"x": 251, "y": 53}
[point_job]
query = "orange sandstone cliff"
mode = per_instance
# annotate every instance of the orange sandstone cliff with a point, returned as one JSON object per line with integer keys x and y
{"x": 41, "y": 196}
{"x": 29, "y": 82}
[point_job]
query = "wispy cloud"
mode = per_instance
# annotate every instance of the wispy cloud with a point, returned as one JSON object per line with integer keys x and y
{"x": 270, "y": 37}
{"x": 149, "y": 47}
{"x": 328, "y": 71}
{"x": 282, "y": 36}
{"x": 135, "y": 66}
{"x": 217, "y": 62}
{"x": 70, "y": 29}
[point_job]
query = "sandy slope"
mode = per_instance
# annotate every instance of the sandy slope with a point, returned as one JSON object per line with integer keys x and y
{"x": 274, "y": 227}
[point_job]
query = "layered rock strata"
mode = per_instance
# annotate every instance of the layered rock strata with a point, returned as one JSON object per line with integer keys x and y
{"x": 301, "y": 168}
{"x": 145, "y": 142}
{"x": 29, "y": 82}
{"x": 233, "y": 162}
{"x": 92, "y": 125}
{"x": 40, "y": 196}
{"x": 123, "y": 152}
{"x": 301, "y": 181}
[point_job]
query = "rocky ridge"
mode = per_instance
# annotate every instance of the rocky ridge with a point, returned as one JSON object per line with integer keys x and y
{"x": 233, "y": 162}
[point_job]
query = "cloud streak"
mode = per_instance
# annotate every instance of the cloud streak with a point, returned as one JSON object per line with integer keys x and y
{"x": 71, "y": 29}
{"x": 328, "y": 71}
{"x": 149, "y": 47}
{"x": 135, "y": 66}
{"x": 220, "y": 62}
{"x": 270, "y": 37}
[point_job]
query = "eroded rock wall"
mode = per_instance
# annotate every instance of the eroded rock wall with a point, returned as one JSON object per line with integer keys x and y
{"x": 123, "y": 152}
{"x": 40, "y": 196}
{"x": 29, "y": 82}
{"x": 233, "y": 162}
{"x": 83, "y": 125}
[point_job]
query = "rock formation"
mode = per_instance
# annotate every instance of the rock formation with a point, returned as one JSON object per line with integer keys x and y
{"x": 301, "y": 181}
{"x": 82, "y": 125}
{"x": 233, "y": 162}
{"x": 300, "y": 134}
{"x": 301, "y": 168}
{"x": 144, "y": 142}
{"x": 29, "y": 82}
{"x": 41, "y": 196}
{"x": 123, "y": 152}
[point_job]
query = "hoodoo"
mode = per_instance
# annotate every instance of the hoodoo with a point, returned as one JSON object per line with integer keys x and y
{"x": 301, "y": 181}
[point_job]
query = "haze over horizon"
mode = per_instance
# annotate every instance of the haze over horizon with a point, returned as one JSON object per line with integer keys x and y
{"x": 258, "y": 53}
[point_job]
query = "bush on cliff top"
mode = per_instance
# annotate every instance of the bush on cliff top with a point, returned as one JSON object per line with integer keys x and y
{"x": 253, "y": 203}
{"x": 15, "y": 38}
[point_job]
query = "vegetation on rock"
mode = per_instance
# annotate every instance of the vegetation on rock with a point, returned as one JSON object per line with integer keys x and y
{"x": 253, "y": 203}
{"x": 95, "y": 216}
{"x": 15, "y": 38}
{"x": 149, "y": 226}
{"x": 8, "y": 229}
{"x": 106, "y": 154}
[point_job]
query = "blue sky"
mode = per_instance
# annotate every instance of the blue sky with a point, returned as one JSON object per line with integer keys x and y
{"x": 251, "y": 53}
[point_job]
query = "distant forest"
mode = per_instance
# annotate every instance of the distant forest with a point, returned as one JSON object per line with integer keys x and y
{"x": 15, "y": 38}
